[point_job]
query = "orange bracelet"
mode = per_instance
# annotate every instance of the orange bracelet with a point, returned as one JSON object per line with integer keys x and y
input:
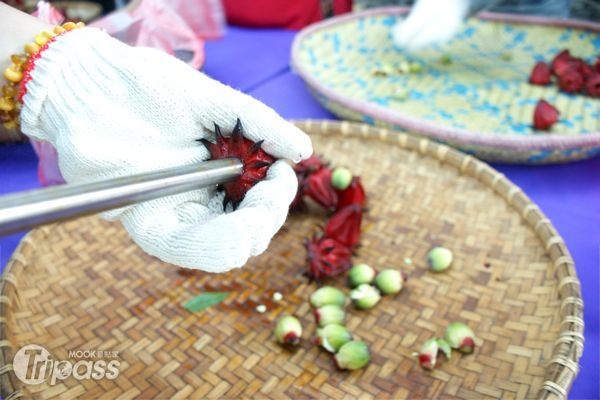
{"x": 18, "y": 74}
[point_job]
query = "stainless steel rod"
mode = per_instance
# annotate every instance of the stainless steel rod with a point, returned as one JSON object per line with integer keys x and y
{"x": 25, "y": 210}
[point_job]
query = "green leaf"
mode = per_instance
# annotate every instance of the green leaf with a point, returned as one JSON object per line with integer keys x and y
{"x": 205, "y": 300}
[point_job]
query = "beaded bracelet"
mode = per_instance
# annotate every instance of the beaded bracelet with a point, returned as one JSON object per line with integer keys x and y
{"x": 18, "y": 74}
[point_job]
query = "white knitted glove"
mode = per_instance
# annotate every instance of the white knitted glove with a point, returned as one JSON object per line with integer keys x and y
{"x": 430, "y": 22}
{"x": 112, "y": 110}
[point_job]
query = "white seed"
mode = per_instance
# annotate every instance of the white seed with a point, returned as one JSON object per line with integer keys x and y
{"x": 261, "y": 308}
{"x": 407, "y": 261}
{"x": 277, "y": 296}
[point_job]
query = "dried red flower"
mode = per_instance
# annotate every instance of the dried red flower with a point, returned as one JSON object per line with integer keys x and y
{"x": 353, "y": 194}
{"x": 571, "y": 80}
{"x": 545, "y": 115}
{"x": 318, "y": 187}
{"x": 327, "y": 257}
{"x": 561, "y": 62}
{"x": 309, "y": 166}
{"x": 344, "y": 225}
{"x": 541, "y": 74}
{"x": 255, "y": 160}
{"x": 592, "y": 85}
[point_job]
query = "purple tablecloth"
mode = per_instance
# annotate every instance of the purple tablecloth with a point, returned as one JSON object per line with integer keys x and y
{"x": 257, "y": 62}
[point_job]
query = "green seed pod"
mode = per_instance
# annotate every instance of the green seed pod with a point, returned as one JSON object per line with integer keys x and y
{"x": 353, "y": 355}
{"x": 288, "y": 330}
{"x": 327, "y": 295}
{"x": 333, "y": 336}
{"x": 439, "y": 259}
{"x": 444, "y": 348}
{"x": 428, "y": 354}
{"x": 329, "y": 314}
{"x": 389, "y": 281}
{"x": 459, "y": 336}
{"x": 341, "y": 178}
{"x": 400, "y": 94}
{"x": 446, "y": 59}
{"x": 404, "y": 67}
{"x": 359, "y": 274}
{"x": 365, "y": 296}
{"x": 415, "y": 67}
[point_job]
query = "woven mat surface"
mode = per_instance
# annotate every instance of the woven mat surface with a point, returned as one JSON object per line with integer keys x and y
{"x": 83, "y": 285}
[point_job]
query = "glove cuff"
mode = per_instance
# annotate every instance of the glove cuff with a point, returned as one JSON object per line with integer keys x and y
{"x": 56, "y": 77}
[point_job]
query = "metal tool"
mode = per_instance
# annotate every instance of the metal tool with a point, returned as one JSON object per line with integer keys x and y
{"x": 25, "y": 210}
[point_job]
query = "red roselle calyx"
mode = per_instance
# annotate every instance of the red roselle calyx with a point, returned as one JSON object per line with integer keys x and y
{"x": 318, "y": 187}
{"x": 255, "y": 160}
{"x": 571, "y": 80}
{"x": 573, "y": 74}
{"x": 344, "y": 225}
{"x": 327, "y": 257}
{"x": 592, "y": 85}
{"x": 354, "y": 194}
{"x": 309, "y": 166}
{"x": 541, "y": 74}
{"x": 544, "y": 115}
{"x": 303, "y": 170}
{"x": 561, "y": 62}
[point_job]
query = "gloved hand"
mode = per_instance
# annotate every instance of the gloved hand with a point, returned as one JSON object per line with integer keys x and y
{"x": 112, "y": 110}
{"x": 430, "y": 22}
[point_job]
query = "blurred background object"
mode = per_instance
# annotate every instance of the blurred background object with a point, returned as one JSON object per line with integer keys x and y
{"x": 578, "y": 9}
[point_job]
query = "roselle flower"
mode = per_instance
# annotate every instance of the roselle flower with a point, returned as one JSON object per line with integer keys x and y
{"x": 571, "y": 80}
{"x": 353, "y": 194}
{"x": 344, "y": 225}
{"x": 327, "y": 257}
{"x": 561, "y": 62}
{"x": 255, "y": 160}
{"x": 303, "y": 170}
{"x": 318, "y": 187}
{"x": 541, "y": 74}
{"x": 309, "y": 166}
{"x": 592, "y": 85}
{"x": 545, "y": 115}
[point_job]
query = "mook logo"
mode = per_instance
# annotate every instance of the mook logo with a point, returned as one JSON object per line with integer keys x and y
{"x": 33, "y": 364}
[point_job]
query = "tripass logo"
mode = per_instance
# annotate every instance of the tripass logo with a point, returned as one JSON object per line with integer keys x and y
{"x": 33, "y": 364}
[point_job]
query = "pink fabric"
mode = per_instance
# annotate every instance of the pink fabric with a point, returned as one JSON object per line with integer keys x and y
{"x": 48, "y": 13}
{"x": 155, "y": 23}
{"x": 206, "y": 18}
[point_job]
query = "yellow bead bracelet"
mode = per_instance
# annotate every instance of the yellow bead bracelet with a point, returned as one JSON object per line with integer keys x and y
{"x": 18, "y": 74}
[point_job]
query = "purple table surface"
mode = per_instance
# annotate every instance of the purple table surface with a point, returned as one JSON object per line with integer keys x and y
{"x": 568, "y": 194}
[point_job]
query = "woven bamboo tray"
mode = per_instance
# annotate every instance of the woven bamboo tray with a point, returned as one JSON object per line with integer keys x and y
{"x": 83, "y": 285}
{"x": 481, "y": 103}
